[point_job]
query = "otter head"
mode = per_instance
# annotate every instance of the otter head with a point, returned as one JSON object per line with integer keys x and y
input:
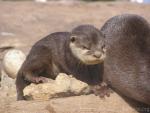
{"x": 87, "y": 44}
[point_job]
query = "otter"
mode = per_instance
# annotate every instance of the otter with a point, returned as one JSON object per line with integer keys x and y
{"x": 127, "y": 63}
{"x": 80, "y": 53}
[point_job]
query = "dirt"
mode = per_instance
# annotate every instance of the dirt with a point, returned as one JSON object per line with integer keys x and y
{"x": 23, "y": 23}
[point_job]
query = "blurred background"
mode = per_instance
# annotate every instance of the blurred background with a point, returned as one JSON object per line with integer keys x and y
{"x": 23, "y": 22}
{"x": 138, "y": 1}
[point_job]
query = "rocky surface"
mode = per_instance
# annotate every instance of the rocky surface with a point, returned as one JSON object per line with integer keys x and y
{"x": 23, "y": 23}
{"x": 64, "y": 85}
{"x": 75, "y": 104}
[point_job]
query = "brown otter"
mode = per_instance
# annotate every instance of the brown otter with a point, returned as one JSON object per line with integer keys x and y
{"x": 127, "y": 63}
{"x": 80, "y": 53}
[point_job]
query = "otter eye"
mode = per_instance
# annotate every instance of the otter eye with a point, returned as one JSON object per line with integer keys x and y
{"x": 73, "y": 38}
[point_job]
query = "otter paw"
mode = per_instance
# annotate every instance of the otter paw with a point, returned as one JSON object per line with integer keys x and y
{"x": 40, "y": 80}
{"x": 102, "y": 90}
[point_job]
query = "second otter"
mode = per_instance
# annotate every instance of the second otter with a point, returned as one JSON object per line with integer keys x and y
{"x": 80, "y": 53}
{"x": 127, "y": 65}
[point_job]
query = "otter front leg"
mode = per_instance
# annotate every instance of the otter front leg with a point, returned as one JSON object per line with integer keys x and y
{"x": 20, "y": 85}
{"x": 102, "y": 90}
{"x": 23, "y": 80}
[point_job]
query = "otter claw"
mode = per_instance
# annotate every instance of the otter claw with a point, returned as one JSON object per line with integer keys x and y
{"x": 41, "y": 80}
{"x": 38, "y": 79}
{"x": 102, "y": 90}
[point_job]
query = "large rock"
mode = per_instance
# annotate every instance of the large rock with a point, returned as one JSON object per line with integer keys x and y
{"x": 64, "y": 85}
{"x": 74, "y": 104}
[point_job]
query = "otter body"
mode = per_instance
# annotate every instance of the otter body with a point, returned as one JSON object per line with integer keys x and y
{"x": 127, "y": 63}
{"x": 79, "y": 53}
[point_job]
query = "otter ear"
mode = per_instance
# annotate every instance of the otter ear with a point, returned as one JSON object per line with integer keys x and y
{"x": 73, "y": 38}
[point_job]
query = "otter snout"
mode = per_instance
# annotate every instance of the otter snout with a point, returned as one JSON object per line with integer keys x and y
{"x": 97, "y": 54}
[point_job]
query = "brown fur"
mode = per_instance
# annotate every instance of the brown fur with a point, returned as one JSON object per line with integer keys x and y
{"x": 127, "y": 63}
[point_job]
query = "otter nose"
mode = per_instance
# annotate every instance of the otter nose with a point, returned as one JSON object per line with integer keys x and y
{"x": 97, "y": 54}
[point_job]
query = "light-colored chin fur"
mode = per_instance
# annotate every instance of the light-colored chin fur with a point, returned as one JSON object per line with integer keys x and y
{"x": 83, "y": 57}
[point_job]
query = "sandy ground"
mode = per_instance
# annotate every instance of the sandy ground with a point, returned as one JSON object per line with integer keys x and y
{"x": 23, "y": 23}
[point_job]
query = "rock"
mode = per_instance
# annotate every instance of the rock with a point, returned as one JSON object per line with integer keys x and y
{"x": 92, "y": 104}
{"x": 64, "y": 85}
{"x": 74, "y": 104}
{"x": 12, "y": 62}
{"x": 2, "y": 52}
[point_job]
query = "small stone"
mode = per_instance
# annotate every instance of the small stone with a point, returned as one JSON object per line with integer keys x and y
{"x": 12, "y": 62}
